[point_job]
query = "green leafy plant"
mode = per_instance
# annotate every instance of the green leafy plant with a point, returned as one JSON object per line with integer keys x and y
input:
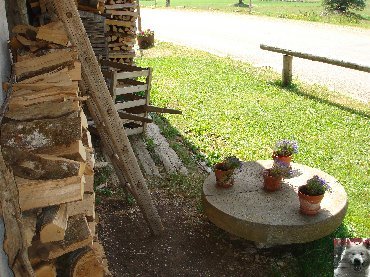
{"x": 279, "y": 169}
{"x": 315, "y": 186}
{"x": 285, "y": 147}
{"x": 228, "y": 163}
{"x": 344, "y": 6}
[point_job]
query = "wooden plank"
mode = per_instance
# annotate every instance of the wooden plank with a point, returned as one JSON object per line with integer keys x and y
{"x": 130, "y": 89}
{"x": 45, "y": 63}
{"x": 43, "y": 193}
{"x": 53, "y": 223}
{"x": 41, "y": 166}
{"x": 317, "y": 58}
{"x": 133, "y": 74}
{"x": 77, "y": 236}
{"x": 129, "y": 104}
{"x": 104, "y": 114}
{"x": 144, "y": 108}
{"x": 125, "y": 115}
{"x": 39, "y": 135}
{"x": 53, "y": 32}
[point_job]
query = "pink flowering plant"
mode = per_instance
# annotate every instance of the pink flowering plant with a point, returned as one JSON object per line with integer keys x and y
{"x": 145, "y": 33}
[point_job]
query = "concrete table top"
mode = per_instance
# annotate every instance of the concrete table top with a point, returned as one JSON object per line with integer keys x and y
{"x": 247, "y": 211}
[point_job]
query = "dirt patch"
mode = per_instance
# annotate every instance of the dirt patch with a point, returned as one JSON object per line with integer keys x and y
{"x": 190, "y": 245}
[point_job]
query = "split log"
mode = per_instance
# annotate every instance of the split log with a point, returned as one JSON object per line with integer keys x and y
{"x": 15, "y": 243}
{"x": 85, "y": 262}
{"x": 53, "y": 32}
{"x": 89, "y": 183}
{"x": 41, "y": 166}
{"x": 45, "y": 63}
{"x": 53, "y": 223}
{"x": 92, "y": 227}
{"x": 74, "y": 151}
{"x": 43, "y": 110}
{"x": 86, "y": 138}
{"x": 29, "y": 220}
{"x": 43, "y": 193}
{"x": 41, "y": 135}
{"x": 75, "y": 72}
{"x": 90, "y": 162}
{"x": 76, "y": 236}
{"x": 86, "y": 206}
{"x": 45, "y": 270}
{"x": 58, "y": 77}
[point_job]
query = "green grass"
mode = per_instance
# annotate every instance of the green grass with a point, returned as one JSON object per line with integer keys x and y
{"x": 232, "y": 108}
{"x": 311, "y": 10}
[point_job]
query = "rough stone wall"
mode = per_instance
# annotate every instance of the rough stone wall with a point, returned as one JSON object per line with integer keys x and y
{"x": 4, "y": 74}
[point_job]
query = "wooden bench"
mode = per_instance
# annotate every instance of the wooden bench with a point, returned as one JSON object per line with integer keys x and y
{"x": 288, "y": 59}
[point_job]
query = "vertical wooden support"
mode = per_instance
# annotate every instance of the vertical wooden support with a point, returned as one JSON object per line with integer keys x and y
{"x": 138, "y": 16}
{"x": 149, "y": 83}
{"x": 105, "y": 112}
{"x": 287, "y": 70}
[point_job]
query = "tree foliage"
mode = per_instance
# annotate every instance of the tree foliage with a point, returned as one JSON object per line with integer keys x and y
{"x": 344, "y": 5}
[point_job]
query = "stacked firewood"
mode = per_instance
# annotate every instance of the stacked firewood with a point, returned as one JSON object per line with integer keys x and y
{"x": 46, "y": 143}
{"x": 121, "y": 29}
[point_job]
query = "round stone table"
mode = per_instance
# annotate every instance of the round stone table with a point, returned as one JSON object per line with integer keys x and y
{"x": 271, "y": 218}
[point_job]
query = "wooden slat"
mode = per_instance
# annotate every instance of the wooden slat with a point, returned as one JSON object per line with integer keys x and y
{"x": 134, "y": 74}
{"x": 124, "y": 115}
{"x": 120, "y": 6}
{"x": 129, "y": 104}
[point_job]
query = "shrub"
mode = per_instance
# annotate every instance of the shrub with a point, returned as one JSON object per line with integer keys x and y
{"x": 343, "y": 6}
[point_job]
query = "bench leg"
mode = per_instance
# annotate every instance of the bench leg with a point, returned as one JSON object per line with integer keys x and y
{"x": 287, "y": 70}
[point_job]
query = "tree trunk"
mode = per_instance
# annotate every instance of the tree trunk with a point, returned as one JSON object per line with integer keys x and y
{"x": 167, "y": 3}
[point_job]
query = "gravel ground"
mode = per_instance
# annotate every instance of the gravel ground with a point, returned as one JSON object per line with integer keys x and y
{"x": 239, "y": 37}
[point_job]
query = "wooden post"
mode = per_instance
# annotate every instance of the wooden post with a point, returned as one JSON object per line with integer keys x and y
{"x": 105, "y": 112}
{"x": 138, "y": 16}
{"x": 287, "y": 70}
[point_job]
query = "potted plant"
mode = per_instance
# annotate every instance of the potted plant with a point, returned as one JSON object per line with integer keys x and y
{"x": 311, "y": 194}
{"x": 273, "y": 176}
{"x": 225, "y": 170}
{"x": 284, "y": 149}
{"x": 145, "y": 39}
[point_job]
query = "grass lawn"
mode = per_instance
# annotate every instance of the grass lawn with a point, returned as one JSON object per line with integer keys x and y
{"x": 232, "y": 108}
{"x": 310, "y": 10}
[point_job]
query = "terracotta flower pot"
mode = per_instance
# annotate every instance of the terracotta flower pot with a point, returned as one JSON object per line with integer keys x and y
{"x": 284, "y": 159}
{"x": 145, "y": 42}
{"x": 271, "y": 183}
{"x": 309, "y": 205}
{"x": 224, "y": 178}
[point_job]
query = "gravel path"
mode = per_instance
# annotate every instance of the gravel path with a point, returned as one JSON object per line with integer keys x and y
{"x": 239, "y": 37}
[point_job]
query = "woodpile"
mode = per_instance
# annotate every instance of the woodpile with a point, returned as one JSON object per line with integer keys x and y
{"x": 45, "y": 141}
{"x": 121, "y": 29}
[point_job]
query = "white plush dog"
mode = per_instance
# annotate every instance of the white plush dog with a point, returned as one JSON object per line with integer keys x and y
{"x": 354, "y": 262}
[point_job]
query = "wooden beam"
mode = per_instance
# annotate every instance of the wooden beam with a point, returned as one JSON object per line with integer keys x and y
{"x": 53, "y": 223}
{"x": 316, "y": 58}
{"x": 106, "y": 117}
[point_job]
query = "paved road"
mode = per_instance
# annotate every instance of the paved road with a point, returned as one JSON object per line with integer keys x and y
{"x": 239, "y": 36}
